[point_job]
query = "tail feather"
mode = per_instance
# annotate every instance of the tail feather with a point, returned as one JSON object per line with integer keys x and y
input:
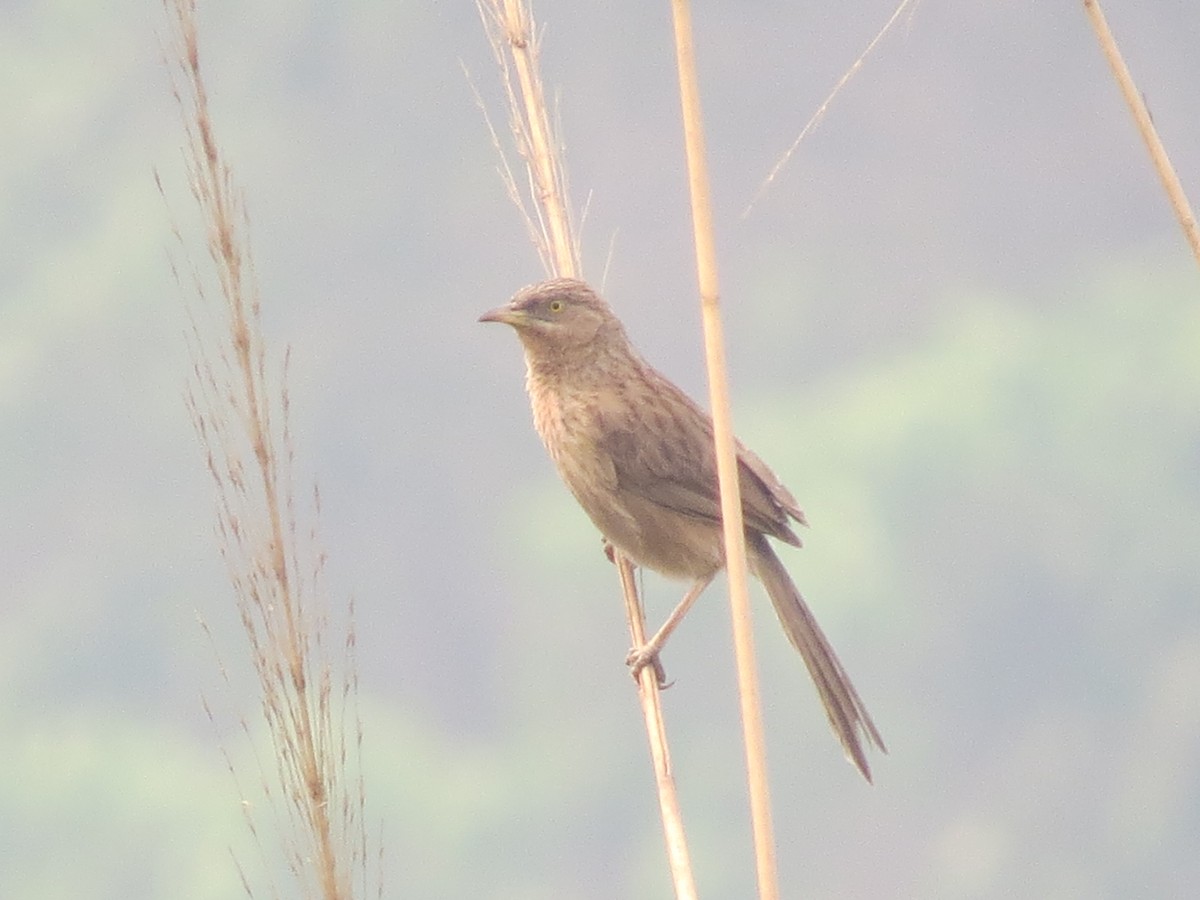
{"x": 847, "y": 715}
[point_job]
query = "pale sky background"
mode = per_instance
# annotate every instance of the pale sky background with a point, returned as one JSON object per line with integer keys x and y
{"x": 962, "y": 327}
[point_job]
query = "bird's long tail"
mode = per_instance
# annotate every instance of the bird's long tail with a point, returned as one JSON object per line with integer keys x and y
{"x": 850, "y": 720}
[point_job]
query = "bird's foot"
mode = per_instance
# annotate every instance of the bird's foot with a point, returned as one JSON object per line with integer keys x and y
{"x": 640, "y": 657}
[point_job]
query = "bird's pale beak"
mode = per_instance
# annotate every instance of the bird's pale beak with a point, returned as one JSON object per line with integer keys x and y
{"x": 505, "y": 314}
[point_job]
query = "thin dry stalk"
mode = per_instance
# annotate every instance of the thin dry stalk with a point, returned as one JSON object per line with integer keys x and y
{"x": 727, "y": 467}
{"x": 816, "y": 117}
{"x": 510, "y": 28}
{"x": 668, "y": 800}
{"x": 242, "y": 423}
{"x": 1141, "y": 116}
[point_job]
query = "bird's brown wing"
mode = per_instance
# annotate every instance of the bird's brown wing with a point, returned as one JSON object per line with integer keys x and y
{"x": 666, "y": 455}
{"x": 760, "y": 472}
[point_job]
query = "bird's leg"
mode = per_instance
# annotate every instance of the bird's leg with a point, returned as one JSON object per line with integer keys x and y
{"x": 647, "y": 654}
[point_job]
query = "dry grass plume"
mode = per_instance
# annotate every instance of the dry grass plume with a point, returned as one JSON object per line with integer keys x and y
{"x": 239, "y": 406}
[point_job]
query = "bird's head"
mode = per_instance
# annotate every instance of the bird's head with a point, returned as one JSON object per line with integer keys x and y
{"x": 558, "y": 317}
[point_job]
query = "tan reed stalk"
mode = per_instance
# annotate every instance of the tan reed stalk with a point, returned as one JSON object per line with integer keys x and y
{"x": 511, "y": 30}
{"x": 678, "y": 857}
{"x": 1145, "y": 125}
{"x": 727, "y": 468}
{"x": 241, "y": 417}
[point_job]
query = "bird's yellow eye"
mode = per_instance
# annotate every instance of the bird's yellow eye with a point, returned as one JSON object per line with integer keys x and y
{"x": 556, "y": 306}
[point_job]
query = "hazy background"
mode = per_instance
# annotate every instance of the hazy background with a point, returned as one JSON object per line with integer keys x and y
{"x": 963, "y": 328}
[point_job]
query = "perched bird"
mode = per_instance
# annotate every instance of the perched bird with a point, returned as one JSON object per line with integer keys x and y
{"x": 638, "y": 455}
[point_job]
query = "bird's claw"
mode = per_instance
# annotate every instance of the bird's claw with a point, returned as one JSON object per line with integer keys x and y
{"x": 639, "y": 658}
